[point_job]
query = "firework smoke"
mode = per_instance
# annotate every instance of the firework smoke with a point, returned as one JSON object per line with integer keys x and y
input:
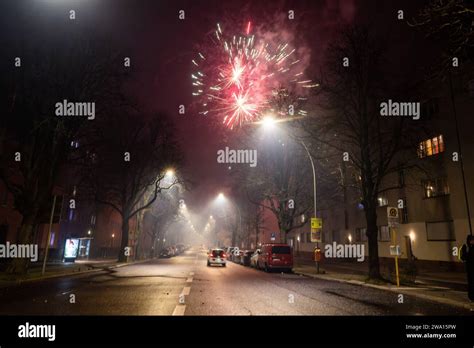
{"x": 239, "y": 73}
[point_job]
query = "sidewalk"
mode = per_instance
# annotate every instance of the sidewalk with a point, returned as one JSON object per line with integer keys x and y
{"x": 444, "y": 287}
{"x": 61, "y": 269}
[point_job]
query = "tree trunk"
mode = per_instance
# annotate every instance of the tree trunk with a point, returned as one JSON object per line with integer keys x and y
{"x": 283, "y": 233}
{"x": 124, "y": 242}
{"x": 19, "y": 266}
{"x": 372, "y": 231}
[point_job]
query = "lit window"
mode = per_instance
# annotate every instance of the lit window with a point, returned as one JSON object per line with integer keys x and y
{"x": 430, "y": 147}
{"x": 436, "y": 187}
{"x": 382, "y": 201}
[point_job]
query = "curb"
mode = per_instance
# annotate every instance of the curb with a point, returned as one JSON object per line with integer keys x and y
{"x": 394, "y": 289}
{"x": 52, "y": 276}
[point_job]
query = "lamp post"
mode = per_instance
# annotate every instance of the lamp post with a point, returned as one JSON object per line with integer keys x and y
{"x": 222, "y": 197}
{"x": 269, "y": 123}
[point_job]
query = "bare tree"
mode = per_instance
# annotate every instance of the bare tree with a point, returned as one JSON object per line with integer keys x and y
{"x": 35, "y": 141}
{"x": 128, "y": 167}
{"x": 349, "y": 125}
{"x": 449, "y": 21}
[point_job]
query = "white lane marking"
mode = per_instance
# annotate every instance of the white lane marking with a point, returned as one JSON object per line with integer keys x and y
{"x": 186, "y": 290}
{"x": 189, "y": 280}
{"x": 179, "y": 310}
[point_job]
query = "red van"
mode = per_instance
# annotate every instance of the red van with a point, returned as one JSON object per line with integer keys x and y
{"x": 275, "y": 256}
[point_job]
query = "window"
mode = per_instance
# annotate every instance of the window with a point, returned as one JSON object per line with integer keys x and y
{"x": 430, "y": 108}
{"x": 440, "y": 231}
{"x": 361, "y": 234}
{"x": 280, "y": 250}
{"x": 431, "y": 146}
{"x": 436, "y": 187}
{"x": 382, "y": 201}
{"x": 384, "y": 234}
{"x": 72, "y": 215}
{"x": 404, "y": 211}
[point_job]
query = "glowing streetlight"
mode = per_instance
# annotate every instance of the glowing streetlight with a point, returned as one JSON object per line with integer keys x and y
{"x": 170, "y": 172}
{"x": 268, "y": 122}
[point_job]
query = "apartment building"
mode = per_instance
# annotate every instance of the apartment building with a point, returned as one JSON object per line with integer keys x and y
{"x": 433, "y": 216}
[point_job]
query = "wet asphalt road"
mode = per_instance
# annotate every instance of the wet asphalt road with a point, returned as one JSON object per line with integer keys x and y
{"x": 184, "y": 285}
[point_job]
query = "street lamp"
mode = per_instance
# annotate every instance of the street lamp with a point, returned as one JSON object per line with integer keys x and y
{"x": 221, "y": 198}
{"x": 269, "y": 123}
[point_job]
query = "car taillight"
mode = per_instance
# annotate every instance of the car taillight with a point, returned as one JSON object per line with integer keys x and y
{"x": 224, "y": 255}
{"x": 210, "y": 255}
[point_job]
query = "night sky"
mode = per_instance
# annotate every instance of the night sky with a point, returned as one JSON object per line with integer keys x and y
{"x": 161, "y": 47}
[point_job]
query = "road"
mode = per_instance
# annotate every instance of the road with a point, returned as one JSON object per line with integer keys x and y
{"x": 157, "y": 287}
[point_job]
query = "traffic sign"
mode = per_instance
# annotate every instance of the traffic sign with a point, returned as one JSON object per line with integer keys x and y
{"x": 316, "y": 223}
{"x": 392, "y": 212}
{"x": 393, "y": 224}
{"x": 392, "y": 217}
{"x": 316, "y": 235}
{"x": 395, "y": 250}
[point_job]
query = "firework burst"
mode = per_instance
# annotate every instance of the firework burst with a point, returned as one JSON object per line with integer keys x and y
{"x": 238, "y": 75}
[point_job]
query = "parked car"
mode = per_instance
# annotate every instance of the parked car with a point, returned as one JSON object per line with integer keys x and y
{"x": 216, "y": 257}
{"x": 245, "y": 259}
{"x": 230, "y": 252}
{"x": 237, "y": 256}
{"x": 254, "y": 258}
{"x": 167, "y": 252}
{"x": 275, "y": 256}
{"x": 180, "y": 248}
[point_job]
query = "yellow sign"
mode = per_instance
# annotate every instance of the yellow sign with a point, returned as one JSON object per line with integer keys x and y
{"x": 316, "y": 223}
{"x": 316, "y": 235}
